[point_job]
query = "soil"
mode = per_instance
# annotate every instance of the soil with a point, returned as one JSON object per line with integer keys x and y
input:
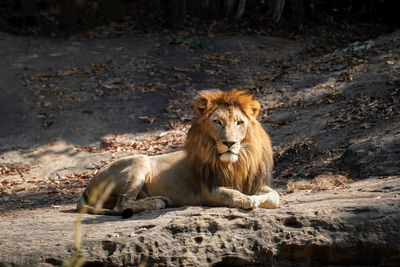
{"x": 69, "y": 106}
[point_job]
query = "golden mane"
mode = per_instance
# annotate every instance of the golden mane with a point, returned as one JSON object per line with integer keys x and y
{"x": 255, "y": 162}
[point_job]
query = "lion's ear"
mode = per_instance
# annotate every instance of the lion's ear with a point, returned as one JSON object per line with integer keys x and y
{"x": 201, "y": 105}
{"x": 204, "y": 100}
{"x": 255, "y": 108}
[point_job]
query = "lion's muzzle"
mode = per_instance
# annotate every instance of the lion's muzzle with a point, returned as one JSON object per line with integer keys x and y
{"x": 228, "y": 151}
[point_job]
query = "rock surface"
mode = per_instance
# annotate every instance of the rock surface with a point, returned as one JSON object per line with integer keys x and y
{"x": 376, "y": 155}
{"x": 359, "y": 225}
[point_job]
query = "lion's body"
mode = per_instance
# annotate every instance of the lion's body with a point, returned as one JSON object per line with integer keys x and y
{"x": 226, "y": 161}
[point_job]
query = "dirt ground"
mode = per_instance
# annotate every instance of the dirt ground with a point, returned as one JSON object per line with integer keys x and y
{"x": 68, "y": 107}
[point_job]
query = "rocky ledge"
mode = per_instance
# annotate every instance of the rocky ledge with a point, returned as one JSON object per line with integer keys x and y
{"x": 356, "y": 225}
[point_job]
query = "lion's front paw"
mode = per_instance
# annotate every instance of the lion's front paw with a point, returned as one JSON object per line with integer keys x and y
{"x": 160, "y": 202}
{"x": 167, "y": 201}
{"x": 269, "y": 200}
{"x": 247, "y": 203}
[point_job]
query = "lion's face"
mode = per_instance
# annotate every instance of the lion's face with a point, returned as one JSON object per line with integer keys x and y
{"x": 228, "y": 127}
{"x": 226, "y": 118}
{"x": 226, "y": 145}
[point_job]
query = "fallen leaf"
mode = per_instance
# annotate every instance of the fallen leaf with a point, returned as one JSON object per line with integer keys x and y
{"x": 117, "y": 48}
{"x": 182, "y": 69}
{"x": 148, "y": 119}
{"x": 55, "y": 54}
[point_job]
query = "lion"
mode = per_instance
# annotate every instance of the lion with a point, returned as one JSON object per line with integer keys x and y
{"x": 227, "y": 161}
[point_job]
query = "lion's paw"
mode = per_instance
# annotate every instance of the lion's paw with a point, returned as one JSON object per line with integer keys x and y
{"x": 269, "y": 200}
{"x": 162, "y": 202}
{"x": 167, "y": 202}
{"x": 159, "y": 204}
{"x": 247, "y": 203}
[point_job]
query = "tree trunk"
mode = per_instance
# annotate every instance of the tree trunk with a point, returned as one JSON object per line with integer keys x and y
{"x": 297, "y": 7}
{"x": 228, "y": 7}
{"x": 277, "y": 7}
{"x": 176, "y": 13}
{"x": 214, "y": 9}
{"x": 240, "y": 9}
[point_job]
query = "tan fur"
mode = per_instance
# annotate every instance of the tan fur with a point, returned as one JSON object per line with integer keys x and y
{"x": 227, "y": 161}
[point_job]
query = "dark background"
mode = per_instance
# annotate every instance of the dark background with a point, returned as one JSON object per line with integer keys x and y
{"x": 60, "y": 18}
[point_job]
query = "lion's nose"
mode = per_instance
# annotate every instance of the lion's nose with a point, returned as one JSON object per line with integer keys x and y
{"x": 229, "y": 144}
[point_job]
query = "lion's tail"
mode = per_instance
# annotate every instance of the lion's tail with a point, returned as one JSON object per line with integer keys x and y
{"x": 84, "y": 207}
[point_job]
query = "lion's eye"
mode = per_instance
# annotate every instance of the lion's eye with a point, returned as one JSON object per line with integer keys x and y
{"x": 239, "y": 123}
{"x": 217, "y": 122}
